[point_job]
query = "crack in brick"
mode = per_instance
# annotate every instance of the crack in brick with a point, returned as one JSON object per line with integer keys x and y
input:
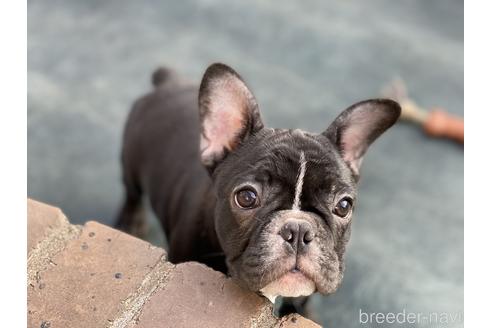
{"x": 222, "y": 287}
{"x": 131, "y": 308}
{"x": 40, "y": 256}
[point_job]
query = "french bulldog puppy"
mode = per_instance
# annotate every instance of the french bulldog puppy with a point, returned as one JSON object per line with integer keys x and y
{"x": 272, "y": 208}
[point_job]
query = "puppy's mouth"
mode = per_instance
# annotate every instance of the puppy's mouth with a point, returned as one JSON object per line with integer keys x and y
{"x": 293, "y": 283}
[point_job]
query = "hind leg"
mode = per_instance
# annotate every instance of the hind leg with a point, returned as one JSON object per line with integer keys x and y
{"x": 131, "y": 218}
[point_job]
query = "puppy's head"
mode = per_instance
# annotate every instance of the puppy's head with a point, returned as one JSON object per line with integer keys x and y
{"x": 284, "y": 197}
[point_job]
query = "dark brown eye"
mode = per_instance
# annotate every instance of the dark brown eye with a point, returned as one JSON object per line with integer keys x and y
{"x": 246, "y": 198}
{"x": 343, "y": 207}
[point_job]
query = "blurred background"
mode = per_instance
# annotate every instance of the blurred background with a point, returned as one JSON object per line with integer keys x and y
{"x": 305, "y": 61}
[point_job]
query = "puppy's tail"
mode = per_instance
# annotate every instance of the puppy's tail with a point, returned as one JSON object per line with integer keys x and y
{"x": 160, "y": 76}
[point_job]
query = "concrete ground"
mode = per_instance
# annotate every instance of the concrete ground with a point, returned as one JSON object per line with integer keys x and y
{"x": 306, "y": 61}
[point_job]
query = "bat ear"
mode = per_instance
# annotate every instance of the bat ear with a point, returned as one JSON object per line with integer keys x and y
{"x": 356, "y": 128}
{"x": 229, "y": 113}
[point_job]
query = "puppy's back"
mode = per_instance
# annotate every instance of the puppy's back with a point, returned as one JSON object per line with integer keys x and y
{"x": 160, "y": 153}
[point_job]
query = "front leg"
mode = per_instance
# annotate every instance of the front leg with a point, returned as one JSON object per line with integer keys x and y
{"x": 295, "y": 305}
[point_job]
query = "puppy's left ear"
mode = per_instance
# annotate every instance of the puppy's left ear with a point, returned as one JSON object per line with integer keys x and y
{"x": 229, "y": 114}
{"x": 355, "y": 129}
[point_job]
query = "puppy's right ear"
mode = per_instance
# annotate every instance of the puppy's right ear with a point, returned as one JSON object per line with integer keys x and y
{"x": 229, "y": 114}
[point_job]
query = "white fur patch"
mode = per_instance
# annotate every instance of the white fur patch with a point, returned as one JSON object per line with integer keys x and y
{"x": 300, "y": 181}
{"x": 289, "y": 285}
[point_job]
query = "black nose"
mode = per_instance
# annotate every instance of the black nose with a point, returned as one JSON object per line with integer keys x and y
{"x": 297, "y": 233}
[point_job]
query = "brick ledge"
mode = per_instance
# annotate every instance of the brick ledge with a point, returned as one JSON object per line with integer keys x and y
{"x": 95, "y": 276}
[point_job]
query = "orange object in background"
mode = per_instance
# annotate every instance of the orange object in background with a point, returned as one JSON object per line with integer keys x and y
{"x": 442, "y": 124}
{"x": 436, "y": 123}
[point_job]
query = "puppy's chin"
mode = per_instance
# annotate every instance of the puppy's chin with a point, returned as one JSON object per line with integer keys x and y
{"x": 291, "y": 284}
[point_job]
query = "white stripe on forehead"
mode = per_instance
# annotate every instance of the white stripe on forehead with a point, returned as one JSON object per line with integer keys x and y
{"x": 300, "y": 180}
